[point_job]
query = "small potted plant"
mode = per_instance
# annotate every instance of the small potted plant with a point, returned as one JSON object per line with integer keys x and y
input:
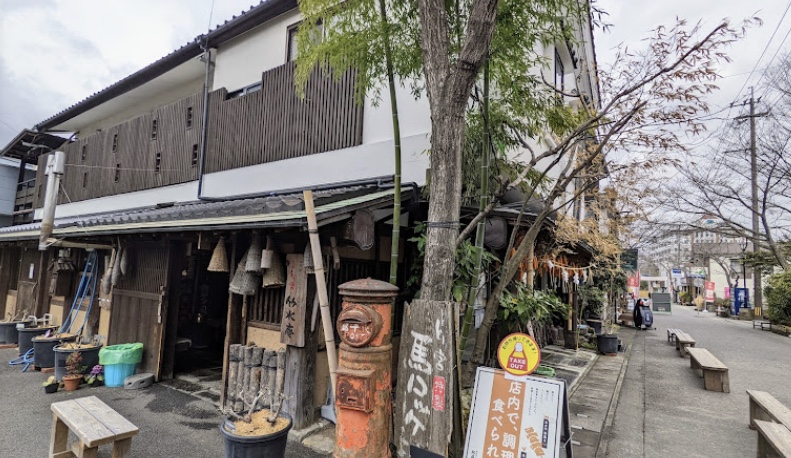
{"x": 50, "y": 385}
{"x": 74, "y": 370}
{"x": 95, "y": 377}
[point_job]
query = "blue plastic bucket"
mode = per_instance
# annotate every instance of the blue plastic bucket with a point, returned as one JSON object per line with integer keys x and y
{"x": 115, "y": 374}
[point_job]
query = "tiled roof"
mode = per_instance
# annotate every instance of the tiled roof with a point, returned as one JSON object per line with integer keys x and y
{"x": 285, "y": 210}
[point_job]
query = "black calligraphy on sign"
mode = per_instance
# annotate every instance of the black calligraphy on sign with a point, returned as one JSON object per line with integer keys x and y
{"x": 424, "y": 408}
{"x": 292, "y": 326}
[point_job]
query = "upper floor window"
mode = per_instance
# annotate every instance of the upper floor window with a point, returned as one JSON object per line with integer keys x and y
{"x": 154, "y": 129}
{"x": 115, "y": 143}
{"x": 291, "y": 46}
{"x": 255, "y": 87}
{"x": 84, "y": 153}
{"x": 189, "y": 117}
{"x": 291, "y": 43}
{"x": 560, "y": 71}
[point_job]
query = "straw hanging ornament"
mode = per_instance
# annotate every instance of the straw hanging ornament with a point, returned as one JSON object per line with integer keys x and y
{"x": 267, "y": 254}
{"x": 253, "y": 264}
{"x": 275, "y": 275}
{"x": 243, "y": 283}
{"x": 219, "y": 259}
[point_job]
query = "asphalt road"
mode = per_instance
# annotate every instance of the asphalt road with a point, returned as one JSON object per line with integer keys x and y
{"x": 663, "y": 409}
{"x": 172, "y": 423}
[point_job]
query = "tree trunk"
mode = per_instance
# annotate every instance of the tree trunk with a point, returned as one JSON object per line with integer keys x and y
{"x": 444, "y": 206}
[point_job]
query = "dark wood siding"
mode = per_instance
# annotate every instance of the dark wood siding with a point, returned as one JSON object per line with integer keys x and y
{"x": 149, "y": 268}
{"x": 269, "y": 125}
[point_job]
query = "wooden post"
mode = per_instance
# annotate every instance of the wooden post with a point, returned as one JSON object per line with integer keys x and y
{"x": 300, "y": 382}
{"x": 280, "y": 379}
{"x": 41, "y": 305}
{"x": 321, "y": 287}
{"x": 232, "y": 326}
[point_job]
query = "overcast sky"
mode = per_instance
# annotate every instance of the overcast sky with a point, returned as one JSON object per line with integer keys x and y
{"x": 54, "y": 53}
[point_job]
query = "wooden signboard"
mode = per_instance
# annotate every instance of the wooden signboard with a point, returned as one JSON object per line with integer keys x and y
{"x": 424, "y": 395}
{"x": 517, "y": 417}
{"x": 292, "y": 326}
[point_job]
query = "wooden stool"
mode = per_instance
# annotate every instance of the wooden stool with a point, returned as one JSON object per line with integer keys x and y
{"x": 94, "y": 423}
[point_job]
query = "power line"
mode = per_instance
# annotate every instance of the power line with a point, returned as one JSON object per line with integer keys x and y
{"x": 788, "y": 6}
{"x": 12, "y": 128}
{"x": 774, "y": 56}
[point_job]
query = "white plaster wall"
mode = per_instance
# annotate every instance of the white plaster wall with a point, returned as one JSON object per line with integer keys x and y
{"x": 177, "y": 193}
{"x": 414, "y": 115}
{"x": 241, "y": 61}
{"x": 372, "y": 160}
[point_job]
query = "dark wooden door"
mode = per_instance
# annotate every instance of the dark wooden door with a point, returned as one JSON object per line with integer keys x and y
{"x": 140, "y": 304}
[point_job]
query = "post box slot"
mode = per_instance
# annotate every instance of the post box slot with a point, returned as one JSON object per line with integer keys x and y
{"x": 355, "y": 389}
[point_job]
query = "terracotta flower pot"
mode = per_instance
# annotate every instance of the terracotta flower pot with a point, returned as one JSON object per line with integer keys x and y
{"x": 71, "y": 382}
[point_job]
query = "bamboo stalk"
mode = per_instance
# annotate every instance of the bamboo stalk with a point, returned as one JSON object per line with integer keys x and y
{"x": 249, "y": 394}
{"x": 321, "y": 287}
{"x": 268, "y": 377}
{"x": 280, "y": 379}
{"x": 396, "y": 148}
{"x": 255, "y": 371}
{"x": 233, "y": 375}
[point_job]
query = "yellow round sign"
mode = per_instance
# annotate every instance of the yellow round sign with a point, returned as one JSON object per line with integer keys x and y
{"x": 518, "y": 354}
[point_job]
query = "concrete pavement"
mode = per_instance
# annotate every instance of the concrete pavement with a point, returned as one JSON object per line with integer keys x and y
{"x": 663, "y": 409}
{"x": 172, "y": 423}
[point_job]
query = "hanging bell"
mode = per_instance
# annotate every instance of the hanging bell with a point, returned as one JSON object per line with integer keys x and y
{"x": 219, "y": 259}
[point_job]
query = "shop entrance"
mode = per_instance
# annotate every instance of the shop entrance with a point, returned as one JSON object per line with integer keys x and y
{"x": 199, "y": 302}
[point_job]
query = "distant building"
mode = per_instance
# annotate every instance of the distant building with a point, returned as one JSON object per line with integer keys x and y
{"x": 16, "y": 195}
{"x": 696, "y": 253}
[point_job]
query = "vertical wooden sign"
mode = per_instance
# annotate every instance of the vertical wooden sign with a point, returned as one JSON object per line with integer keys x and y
{"x": 424, "y": 395}
{"x": 292, "y": 325}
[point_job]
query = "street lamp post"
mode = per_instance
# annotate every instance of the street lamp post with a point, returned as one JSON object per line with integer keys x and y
{"x": 743, "y": 246}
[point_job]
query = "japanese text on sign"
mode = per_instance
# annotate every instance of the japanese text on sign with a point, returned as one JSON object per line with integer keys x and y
{"x": 514, "y": 417}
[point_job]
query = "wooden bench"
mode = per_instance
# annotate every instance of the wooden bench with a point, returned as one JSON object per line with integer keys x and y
{"x": 765, "y": 325}
{"x": 774, "y": 440}
{"x": 764, "y": 406}
{"x": 94, "y": 423}
{"x": 683, "y": 342}
{"x": 671, "y": 334}
{"x": 715, "y": 374}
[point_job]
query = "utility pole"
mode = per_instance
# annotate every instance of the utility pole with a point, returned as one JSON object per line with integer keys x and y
{"x": 757, "y": 296}
{"x": 757, "y": 293}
